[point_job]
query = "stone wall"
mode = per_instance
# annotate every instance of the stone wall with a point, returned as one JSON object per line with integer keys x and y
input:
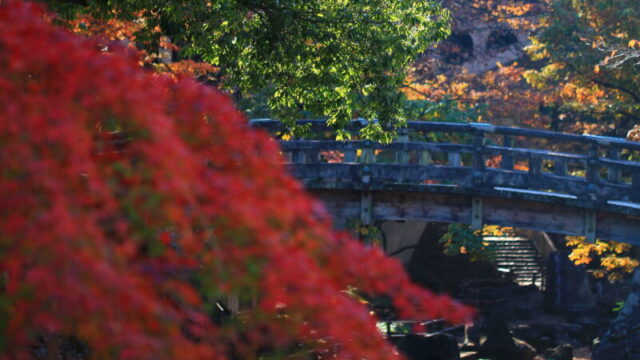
{"x": 479, "y": 40}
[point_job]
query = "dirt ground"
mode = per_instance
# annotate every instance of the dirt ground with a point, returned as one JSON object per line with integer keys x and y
{"x": 583, "y": 353}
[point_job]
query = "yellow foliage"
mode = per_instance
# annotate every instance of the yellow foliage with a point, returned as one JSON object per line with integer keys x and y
{"x": 459, "y": 88}
{"x": 605, "y": 255}
{"x": 495, "y": 230}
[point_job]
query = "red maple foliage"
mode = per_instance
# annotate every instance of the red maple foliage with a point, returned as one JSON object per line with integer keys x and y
{"x": 124, "y": 243}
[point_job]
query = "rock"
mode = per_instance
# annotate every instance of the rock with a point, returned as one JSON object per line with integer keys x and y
{"x": 434, "y": 347}
{"x": 538, "y": 335}
{"x": 588, "y": 329}
{"x": 497, "y": 334}
{"x": 561, "y": 352}
{"x": 568, "y": 290}
{"x": 622, "y": 339}
{"x": 499, "y": 344}
{"x": 550, "y": 335}
{"x": 524, "y": 351}
{"x": 610, "y": 295}
{"x": 575, "y": 334}
{"x": 516, "y": 350}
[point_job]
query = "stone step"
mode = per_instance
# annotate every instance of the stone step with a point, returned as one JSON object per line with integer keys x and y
{"x": 531, "y": 253}
{"x": 531, "y": 264}
{"x": 512, "y": 248}
{"x": 518, "y": 260}
{"x": 509, "y": 264}
{"x": 521, "y": 268}
{"x": 519, "y": 256}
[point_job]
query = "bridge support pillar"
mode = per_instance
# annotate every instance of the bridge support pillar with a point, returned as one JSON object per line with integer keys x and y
{"x": 477, "y": 218}
{"x": 366, "y": 207}
{"x": 590, "y": 225}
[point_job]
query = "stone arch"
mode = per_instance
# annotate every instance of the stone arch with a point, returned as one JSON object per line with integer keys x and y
{"x": 458, "y": 48}
{"x": 501, "y": 39}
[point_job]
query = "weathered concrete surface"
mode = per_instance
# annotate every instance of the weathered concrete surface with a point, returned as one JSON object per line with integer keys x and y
{"x": 622, "y": 340}
{"x": 453, "y": 205}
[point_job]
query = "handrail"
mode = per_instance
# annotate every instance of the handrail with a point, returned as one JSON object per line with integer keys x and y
{"x": 471, "y": 128}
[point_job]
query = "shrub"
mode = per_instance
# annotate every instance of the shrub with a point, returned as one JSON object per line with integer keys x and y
{"x": 125, "y": 242}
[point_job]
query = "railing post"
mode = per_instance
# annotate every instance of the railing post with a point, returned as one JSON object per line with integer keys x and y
{"x": 507, "y": 159}
{"x": 593, "y": 175}
{"x": 453, "y": 159}
{"x": 297, "y": 157}
{"x": 613, "y": 173}
{"x": 535, "y": 166}
{"x": 368, "y": 155}
{"x": 349, "y": 156}
{"x": 478, "y": 158}
{"x": 366, "y": 197}
{"x": 288, "y": 157}
{"x": 425, "y": 158}
{"x": 535, "y": 171}
{"x": 402, "y": 156}
{"x": 312, "y": 156}
{"x": 591, "y": 192}
{"x": 635, "y": 180}
{"x": 560, "y": 167}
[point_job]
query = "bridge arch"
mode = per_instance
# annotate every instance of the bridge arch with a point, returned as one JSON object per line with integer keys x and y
{"x": 475, "y": 174}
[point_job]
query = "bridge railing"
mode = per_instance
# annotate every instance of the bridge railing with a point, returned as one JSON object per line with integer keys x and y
{"x": 585, "y": 167}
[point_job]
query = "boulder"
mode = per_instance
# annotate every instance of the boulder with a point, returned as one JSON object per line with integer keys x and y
{"x": 539, "y": 336}
{"x": 568, "y": 289}
{"x": 622, "y": 339}
{"x": 551, "y": 335}
{"x": 561, "y": 352}
{"x": 434, "y": 347}
{"x": 499, "y": 344}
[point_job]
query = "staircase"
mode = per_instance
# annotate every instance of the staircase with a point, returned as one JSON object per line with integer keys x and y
{"x": 519, "y": 257}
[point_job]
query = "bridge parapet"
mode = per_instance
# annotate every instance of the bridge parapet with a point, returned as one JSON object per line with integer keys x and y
{"x": 474, "y": 173}
{"x": 593, "y": 169}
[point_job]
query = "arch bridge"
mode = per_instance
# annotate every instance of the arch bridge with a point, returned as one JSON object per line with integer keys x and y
{"x": 475, "y": 174}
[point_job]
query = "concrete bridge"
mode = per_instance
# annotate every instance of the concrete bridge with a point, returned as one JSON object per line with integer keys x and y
{"x": 474, "y": 174}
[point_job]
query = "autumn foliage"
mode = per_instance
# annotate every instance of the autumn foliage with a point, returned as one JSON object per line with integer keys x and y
{"x": 603, "y": 258}
{"x": 113, "y": 30}
{"x": 131, "y": 201}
